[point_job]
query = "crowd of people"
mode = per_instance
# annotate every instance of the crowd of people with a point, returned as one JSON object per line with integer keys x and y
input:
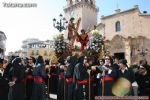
{"x": 72, "y": 78}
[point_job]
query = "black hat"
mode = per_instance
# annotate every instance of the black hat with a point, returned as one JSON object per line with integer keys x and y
{"x": 123, "y": 61}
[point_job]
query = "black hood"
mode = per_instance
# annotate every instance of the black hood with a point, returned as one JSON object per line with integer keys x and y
{"x": 39, "y": 60}
{"x": 16, "y": 62}
{"x": 70, "y": 66}
{"x": 80, "y": 59}
{"x": 69, "y": 59}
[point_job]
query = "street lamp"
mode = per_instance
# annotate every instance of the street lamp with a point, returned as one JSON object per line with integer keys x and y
{"x": 61, "y": 24}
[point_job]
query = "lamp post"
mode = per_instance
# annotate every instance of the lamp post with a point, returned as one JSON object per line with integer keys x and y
{"x": 61, "y": 24}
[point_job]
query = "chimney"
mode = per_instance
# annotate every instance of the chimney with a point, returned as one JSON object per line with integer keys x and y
{"x": 117, "y": 10}
{"x": 144, "y": 12}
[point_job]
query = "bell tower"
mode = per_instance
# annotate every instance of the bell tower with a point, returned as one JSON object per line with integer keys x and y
{"x": 84, "y": 9}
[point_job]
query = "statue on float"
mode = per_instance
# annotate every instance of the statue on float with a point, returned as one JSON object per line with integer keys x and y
{"x": 73, "y": 30}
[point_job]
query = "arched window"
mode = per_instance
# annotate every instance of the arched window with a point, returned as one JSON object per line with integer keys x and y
{"x": 118, "y": 27}
{"x": 71, "y": 2}
{"x": 91, "y": 1}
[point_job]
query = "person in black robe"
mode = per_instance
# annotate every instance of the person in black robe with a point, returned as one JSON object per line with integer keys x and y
{"x": 61, "y": 68}
{"x": 47, "y": 69}
{"x": 7, "y": 75}
{"x": 81, "y": 80}
{"x": 53, "y": 75}
{"x": 8, "y": 70}
{"x": 39, "y": 91}
{"x": 4, "y": 87}
{"x": 99, "y": 70}
{"x": 69, "y": 78}
{"x": 29, "y": 77}
{"x": 94, "y": 71}
{"x": 116, "y": 63}
{"x": 126, "y": 73}
{"x": 143, "y": 79}
{"x": 108, "y": 77}
{"x": 17, "y": 82}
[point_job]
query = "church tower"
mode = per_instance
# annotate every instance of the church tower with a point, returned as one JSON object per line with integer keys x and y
{"x": 84, "y": 9}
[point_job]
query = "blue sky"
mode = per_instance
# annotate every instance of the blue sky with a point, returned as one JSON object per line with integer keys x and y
{"x": 22, "y": 23}
{"x": 108, "y": 6}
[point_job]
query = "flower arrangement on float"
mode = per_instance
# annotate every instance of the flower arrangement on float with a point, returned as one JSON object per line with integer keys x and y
{"x": 59, "y": 43}
{"x": 96, "y": 41}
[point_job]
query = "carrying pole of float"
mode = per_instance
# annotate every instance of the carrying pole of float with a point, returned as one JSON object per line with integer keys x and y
{"x": 103, "y": 85}
{"x": 89, "y": 85}
{"x": 48, "y": 88}
{"x": 64, "y": 88}
{"x": 49, "y": 83}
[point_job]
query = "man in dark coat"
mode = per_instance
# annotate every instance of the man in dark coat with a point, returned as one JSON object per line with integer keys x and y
{"x": 107, "y": 78}
{"x": 4, "y": 87}
{"x": 17, "y": 82}
{"x": 39, "y": 91}
{"x": 6, "y": 77}
{"x": 9, "y": 67}
{"x": 126, "y": 73}
{"x": 61, "y": 67}
{"x": 143, "y": 79}
{"x": 81, "y": 79}
{"x": 29, "y": 77}
{"x": 54, "y": 75}
{"x": 69, "y": 78}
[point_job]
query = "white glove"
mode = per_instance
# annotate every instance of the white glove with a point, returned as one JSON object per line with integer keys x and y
{"x": 11, "y": 83}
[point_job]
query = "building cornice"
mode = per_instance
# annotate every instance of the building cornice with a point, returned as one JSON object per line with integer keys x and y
{"x": 126, "y": 11}
{"x": 80, "y": 4}
{"x": 143, "y": 14}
